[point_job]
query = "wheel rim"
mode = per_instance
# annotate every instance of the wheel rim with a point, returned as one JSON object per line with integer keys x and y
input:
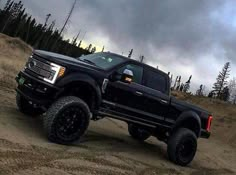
{"x": 187, "y": 150}
{"x": 69, "y": 122}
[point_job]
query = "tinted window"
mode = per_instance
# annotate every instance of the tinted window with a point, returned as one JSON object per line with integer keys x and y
{"x": 155, "y": 81}
{"x": 137, "y": 71}
{"x": 102, "y": 60}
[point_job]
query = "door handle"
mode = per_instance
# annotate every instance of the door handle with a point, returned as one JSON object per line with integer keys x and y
{"x": 138, "y": 93}
{"x": 163, "y": 101}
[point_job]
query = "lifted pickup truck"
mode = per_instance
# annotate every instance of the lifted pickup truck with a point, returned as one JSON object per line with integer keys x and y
{"x": 72, "y": 91}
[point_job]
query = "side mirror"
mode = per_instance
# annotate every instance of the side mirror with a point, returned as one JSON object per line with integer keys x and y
{"x": 127, "y": 76}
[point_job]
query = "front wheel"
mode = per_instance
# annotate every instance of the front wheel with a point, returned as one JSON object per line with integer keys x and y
{"x": 138, "y": 133}
{"x": 182, "y": 146}
{"x": 67, "y": 120}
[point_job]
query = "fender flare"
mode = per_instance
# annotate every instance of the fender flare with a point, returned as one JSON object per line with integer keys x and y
{"x": 80, "y": 77}
{"x": 189, "y": 115}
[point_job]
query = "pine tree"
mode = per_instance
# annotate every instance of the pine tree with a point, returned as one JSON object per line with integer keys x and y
{"x": 225, "y": 95}
{"x": 199, "y": 92}
{"x": 221, "y": 80}
{"x": 187, "y": 85}
{"x": 93, "y": 50}
{"x": 89, "y": 47}
{"x": 15, "y": 22}
{"x": 7, "y": 14}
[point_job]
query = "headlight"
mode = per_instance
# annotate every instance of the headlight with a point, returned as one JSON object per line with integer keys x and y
{"x": 56, "y": 72}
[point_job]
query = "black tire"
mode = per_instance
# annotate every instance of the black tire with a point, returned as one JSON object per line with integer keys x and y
{"x": 66, "y": 120}
{"x": 182, "y": 146}
{"x": 25, "y": 107}
{"x": 138, "y": 133}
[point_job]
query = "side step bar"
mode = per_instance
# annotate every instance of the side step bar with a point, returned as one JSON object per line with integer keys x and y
{"x": 124, "y": 119}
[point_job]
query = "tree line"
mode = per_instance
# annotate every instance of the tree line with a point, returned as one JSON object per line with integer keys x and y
{"x": 223, "y": 89}
{"x": 15, "y": 22}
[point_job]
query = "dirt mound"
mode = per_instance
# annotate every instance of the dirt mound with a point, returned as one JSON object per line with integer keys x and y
{"x": 14, "y": 43}
{"x": 13, "y": 55}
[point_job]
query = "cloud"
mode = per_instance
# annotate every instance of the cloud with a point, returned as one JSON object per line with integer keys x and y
{"x": 185, "y": 37}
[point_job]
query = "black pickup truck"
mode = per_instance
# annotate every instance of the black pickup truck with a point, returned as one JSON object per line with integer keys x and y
{"x": 73, "y": 91}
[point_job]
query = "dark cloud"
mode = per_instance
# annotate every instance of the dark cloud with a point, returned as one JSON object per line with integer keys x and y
{"x": 184, "y": 26}
{"x": 184, "y": 36}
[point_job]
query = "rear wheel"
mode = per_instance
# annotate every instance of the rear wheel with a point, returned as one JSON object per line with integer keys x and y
{"x": 26, "y": 107}
{"x": 182, "y": 146}
{"x": 67, "y": 120}
{"x": 138, "y": 132}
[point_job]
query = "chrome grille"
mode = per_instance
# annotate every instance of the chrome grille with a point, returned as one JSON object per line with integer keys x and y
{"x": 39, "y": 68}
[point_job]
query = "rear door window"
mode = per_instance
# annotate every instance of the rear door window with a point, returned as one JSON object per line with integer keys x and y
{"x": 155, "y": 81}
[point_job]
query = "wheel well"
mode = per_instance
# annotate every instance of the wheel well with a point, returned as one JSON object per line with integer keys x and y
{"x": 189, "y": 123}
{"x": 82, "y": 90}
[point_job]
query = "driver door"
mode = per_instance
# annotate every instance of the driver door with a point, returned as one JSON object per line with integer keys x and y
{"x": 122, "y": 98}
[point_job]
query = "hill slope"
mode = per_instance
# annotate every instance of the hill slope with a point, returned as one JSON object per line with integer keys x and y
{"x": 13, "y": 55}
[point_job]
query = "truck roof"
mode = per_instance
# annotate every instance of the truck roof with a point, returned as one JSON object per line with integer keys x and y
{"x": 146, "y": 65}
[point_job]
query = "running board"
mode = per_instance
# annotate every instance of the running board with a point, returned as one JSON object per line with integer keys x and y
{"x": 124, "y": 119}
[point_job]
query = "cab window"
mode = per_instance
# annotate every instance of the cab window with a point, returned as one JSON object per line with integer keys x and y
{"x": 137, "y": 72}
{"x": 155, "y": 81}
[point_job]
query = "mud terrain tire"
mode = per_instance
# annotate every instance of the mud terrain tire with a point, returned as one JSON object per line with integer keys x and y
{"x": 67, "y": 120}
{"x": 182, "y": 146}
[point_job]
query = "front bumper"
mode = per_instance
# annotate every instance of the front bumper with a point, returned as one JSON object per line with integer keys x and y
{"x": 36, "y": 90}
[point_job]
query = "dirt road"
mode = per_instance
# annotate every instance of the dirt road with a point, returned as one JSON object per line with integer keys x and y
{"x": 106, "y": 149}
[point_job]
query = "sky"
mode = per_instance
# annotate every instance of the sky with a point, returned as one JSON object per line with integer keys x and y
{"x": 184, "y": 37}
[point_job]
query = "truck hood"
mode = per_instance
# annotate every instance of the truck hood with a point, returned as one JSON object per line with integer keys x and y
{"x": 63, "y": 60}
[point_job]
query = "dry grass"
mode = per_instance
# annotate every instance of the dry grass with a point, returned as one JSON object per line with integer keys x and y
{"x": 13, "y": 55}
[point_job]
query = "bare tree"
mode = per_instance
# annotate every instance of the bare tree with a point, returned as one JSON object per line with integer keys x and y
{"x": 68, "y": 17}
{"x": 103, "y": 48}
{"x": 46, "y": 20}
{"x": 175, "y": 82}
{"x": 66, "y": 21}
{"x": 178, "y": 83}
{"x": 74, "y": 42}
{"x": 80, "y": 42}
{"x": 187, "y": 85}
{"x": 44, "y": 28}
{"x": 141, "y": 58}
{"x": 130, "y": 53}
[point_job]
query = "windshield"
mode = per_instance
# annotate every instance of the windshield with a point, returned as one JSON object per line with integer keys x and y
{"x": 102, "y": 60}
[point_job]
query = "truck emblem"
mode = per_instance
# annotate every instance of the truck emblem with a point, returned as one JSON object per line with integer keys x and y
{"x": 31, "y": 64}
{"x": 104, "y": 85}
